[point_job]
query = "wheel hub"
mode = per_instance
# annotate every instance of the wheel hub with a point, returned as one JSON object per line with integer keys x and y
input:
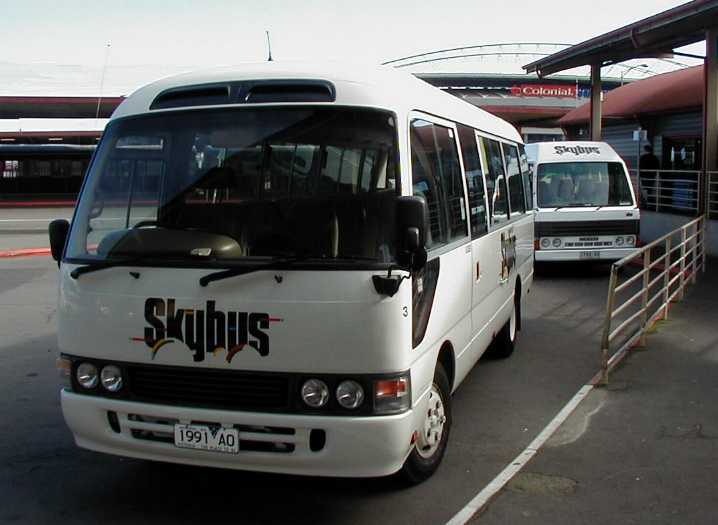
{"x": 430, "y": 437}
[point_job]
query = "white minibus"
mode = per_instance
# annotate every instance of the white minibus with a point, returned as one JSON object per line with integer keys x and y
{"x": 585, "y": 206}
{"x": 289, "y": 268}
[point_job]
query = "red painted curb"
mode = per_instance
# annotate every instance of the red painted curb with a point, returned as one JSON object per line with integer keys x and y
{"x": 24, "y": 252}
{"x": 37, "y": 204}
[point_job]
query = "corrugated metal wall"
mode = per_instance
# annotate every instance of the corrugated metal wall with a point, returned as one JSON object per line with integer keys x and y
{"x": 621, "y": 139}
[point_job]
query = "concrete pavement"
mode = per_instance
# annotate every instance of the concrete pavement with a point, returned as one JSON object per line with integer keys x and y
{"x": 642, "y": 450}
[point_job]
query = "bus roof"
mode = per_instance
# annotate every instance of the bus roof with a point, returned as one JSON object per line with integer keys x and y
{"x": 354, "y": 84}
{"x": 571, "y": 151}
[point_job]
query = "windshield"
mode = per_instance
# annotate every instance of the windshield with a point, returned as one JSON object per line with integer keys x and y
{"x": 235, "y": 185}
{"x": 563, "y": 184}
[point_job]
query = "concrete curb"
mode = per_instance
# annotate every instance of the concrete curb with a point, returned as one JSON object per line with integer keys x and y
{"x": 24, "y": 252}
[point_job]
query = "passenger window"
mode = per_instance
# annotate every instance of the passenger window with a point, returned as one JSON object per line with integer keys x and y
{"x": 516, "y": 186}
{"x": 437, "y": 177}
{"x": 474, "y": 181}
{"x": 495, "y": 181}
{"x": 527, "y": 175}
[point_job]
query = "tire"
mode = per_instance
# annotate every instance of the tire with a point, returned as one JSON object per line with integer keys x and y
{"x": 503, "y": 346}
{"x": 428, "y": 452}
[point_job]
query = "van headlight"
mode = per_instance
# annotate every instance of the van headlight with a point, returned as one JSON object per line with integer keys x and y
{"x": 545, "y": 242}
{"x": 631, "y": 240}
{"x": 556, "y": 242}
{"x": 111, "y": 378}
{"x": 619, "y": 241}
{"x": 350, "y": 394}
{"x": 87, "y": 376}
{"x": 315, "y": 393}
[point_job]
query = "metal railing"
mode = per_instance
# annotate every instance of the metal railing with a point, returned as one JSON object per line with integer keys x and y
{"x": 712, "y": 195}
{"x": 674, "y": 191}
{"x": 644, "y": 284}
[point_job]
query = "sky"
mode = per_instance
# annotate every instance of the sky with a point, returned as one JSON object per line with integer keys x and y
{"x": 40, "y": 39}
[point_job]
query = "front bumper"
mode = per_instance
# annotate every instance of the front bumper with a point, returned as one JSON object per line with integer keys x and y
{"x": 354, "y": 446}
{"x": 604, "y": 254}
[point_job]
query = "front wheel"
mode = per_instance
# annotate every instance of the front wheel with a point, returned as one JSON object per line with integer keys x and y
{"x": 433, "y": 436}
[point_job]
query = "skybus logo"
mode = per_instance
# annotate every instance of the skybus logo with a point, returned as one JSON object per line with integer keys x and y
{"x": 577, "y": 150}
{"x": 204, "y": 331}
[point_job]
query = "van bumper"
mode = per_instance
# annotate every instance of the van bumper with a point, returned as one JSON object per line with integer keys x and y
{"x": 612, "y": 254}
{"x": 353, "y": 447}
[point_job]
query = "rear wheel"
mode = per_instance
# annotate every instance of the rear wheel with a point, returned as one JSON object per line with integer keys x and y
{"x": 503, "y": 346}
{"x": 433, "y": 436}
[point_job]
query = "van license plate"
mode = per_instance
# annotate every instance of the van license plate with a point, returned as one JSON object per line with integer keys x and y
{"x": 589, "y": 255}
{"x": 201, "y": 437}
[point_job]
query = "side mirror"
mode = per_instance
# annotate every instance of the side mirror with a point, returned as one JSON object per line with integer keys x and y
{"x": 58, "y": 235}
{"x": 412, "y": 217}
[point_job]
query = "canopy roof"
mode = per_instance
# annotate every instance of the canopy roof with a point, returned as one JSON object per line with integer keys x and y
{"x": 678, "y": 90}
{"x": 651, "y": 37}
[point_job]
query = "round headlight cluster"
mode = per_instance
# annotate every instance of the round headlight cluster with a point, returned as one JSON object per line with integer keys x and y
{"x": 349, "y": 394}
{"x": 111, "y": 378}
{"x": 88, "y": 377}
{"x": 315, "y": 393}
{"x": 556, "y": 242}
{"x": 628, "y": 240}
{"x": 545, "y": 242}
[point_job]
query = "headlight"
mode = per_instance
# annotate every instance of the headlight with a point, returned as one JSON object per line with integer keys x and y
{"x": 631, "y": 240}
{"x": 315, "y": 393}
{"x": 111, "y": 378}
{"x": 350, "y": 394}
{"x": 556, "y": 242}
{"x": 392, "y": 395}
{"x": 619, "y": 241}
{"x": 545, "y": 242}
{"x": 87, "y": 375}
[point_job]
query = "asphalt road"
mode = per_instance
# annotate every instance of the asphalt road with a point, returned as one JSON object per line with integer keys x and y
{"x": 498, "y": 410}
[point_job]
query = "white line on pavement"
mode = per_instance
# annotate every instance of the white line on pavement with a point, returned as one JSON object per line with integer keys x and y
{"x": 513, "y": 468}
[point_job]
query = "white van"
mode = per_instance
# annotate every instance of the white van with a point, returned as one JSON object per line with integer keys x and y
{"x": 289, "y": 269}
{"x": 586, "y": 208}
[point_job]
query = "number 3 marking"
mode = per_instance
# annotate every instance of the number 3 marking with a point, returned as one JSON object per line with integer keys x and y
{"x": 405, "y": 311}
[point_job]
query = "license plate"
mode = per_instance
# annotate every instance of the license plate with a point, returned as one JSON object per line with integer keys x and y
{"x": 589, "y": 255}
{"x": 202, "y": 437}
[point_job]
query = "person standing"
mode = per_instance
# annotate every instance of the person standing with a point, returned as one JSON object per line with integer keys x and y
{"x": 648, "y": 165}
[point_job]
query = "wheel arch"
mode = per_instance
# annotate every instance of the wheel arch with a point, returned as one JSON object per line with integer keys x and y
{"x": 447, "y": 359}
{"x": 517, "y": 302}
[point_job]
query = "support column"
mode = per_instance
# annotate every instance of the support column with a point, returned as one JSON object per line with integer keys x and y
{"x": 710, "y": 112}
{"x": 595, "y": 101}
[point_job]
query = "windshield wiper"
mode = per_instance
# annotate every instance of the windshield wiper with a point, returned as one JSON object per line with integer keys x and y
{"x": 101, "y": 265}
{"x": 233, "y": 272}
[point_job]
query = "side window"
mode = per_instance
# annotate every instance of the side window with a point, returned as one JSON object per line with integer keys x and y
{"x": 516, "y": 185}
{"x": 474, "y": 181}
{"x": 495, "y": 181}
{"x": 437, "y": 177}
{"x": 527, "y": 175}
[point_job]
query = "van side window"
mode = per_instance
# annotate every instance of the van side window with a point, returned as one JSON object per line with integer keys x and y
{"x": 528, "y": 177}
{"x": 474, "y": 181}
{"x": 495, "y": 181}
{"x": 516, "y": 185}
{"x": 437, "y": 177}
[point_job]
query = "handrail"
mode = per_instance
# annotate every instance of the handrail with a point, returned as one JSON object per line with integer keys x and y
{"x": 650, "y": 290}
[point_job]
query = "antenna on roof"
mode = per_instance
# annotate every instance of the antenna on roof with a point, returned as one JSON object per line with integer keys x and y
{"x": 102, "y": 80}
{"x": 269, "y": 48}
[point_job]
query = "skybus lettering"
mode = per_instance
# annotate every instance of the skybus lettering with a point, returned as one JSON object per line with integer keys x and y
{"x": 202, "y": 331}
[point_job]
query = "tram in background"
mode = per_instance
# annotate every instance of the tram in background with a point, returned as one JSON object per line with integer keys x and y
{"x": 43, "y": 174}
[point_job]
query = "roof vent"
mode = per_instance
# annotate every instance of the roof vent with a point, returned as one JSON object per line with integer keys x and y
{"x": 290, "y": 91}
{"x": 207, "y": 95}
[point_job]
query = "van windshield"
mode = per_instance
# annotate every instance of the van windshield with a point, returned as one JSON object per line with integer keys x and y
{"x": 567, "y": 184}
{"x": 231, "y": 186}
